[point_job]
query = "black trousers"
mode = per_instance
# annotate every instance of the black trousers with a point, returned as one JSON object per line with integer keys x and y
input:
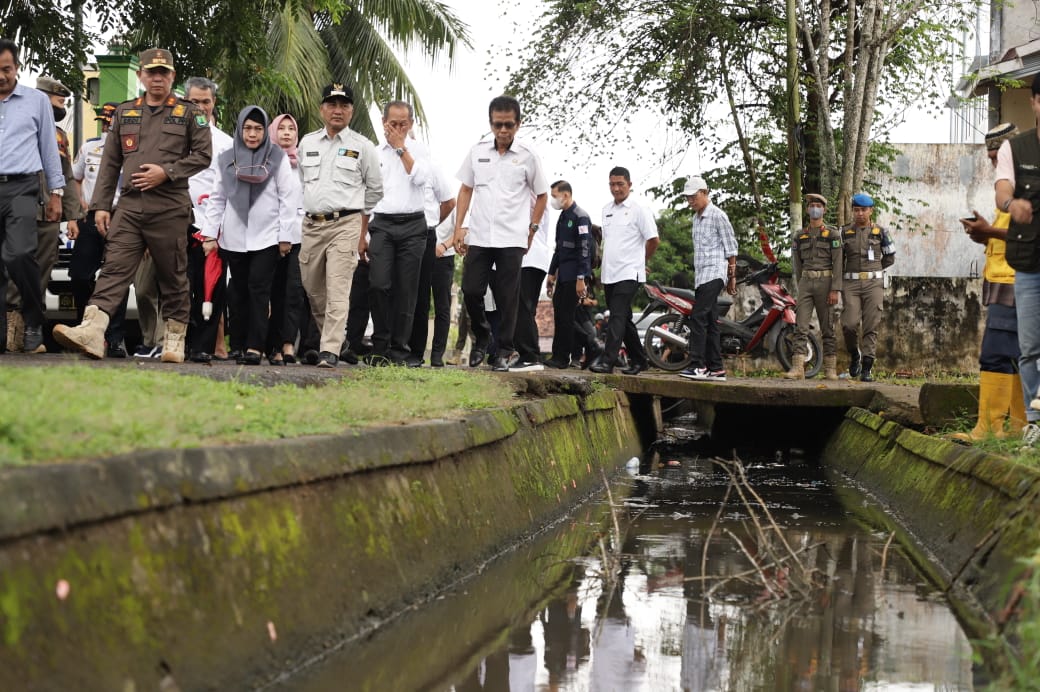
{"x": 202, "y": 333}
{"x": 565, "y": 310}
{"x": 395, "y": 254}
{"x": 286, "y": 300}
{"x": 705, "y": 340}
{"x": 526, "y": 336}
{"x": 443, "y": 275}
{"x": 358, "y": 309}
{"x": 88, "y": 254}
{"x": 420, "y": 322}
{"x": 252, "y": 274}
{"x": 506, "y": 288}
{"x": 19, "y": 200}
{"x": 621, "y": 328}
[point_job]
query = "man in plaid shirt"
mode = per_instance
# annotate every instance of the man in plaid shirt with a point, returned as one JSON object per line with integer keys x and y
{"x": 714, "y": 267}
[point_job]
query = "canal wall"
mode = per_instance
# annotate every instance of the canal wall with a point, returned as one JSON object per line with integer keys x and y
{"x": 224, "y": 567}
{"x": 966, "y": 517}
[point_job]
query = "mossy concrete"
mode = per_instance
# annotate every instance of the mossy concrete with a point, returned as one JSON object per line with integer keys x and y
{"x": 967, "y": 518}
{"x": 226, "y": 566}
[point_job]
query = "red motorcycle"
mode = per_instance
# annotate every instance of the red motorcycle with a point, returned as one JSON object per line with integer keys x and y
{"x": 769, "y": 329}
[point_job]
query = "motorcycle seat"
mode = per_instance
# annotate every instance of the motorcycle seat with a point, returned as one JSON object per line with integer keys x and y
{"x": 680, "y": 292}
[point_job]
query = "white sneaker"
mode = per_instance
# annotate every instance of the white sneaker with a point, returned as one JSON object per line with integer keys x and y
{"x": 1035, "y": 403}
{"x": 694, "y": 373}
{"x": 526, "y": 366}
{"x": 1030, "y": 434}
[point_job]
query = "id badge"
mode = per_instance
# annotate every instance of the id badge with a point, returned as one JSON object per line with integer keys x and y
{"x": 870, "y": 254}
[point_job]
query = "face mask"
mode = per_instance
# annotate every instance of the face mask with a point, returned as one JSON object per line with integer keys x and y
{"x": 555, "y": 203}
{"x": 816, "y": 213}
{"x": 59, "y": 113}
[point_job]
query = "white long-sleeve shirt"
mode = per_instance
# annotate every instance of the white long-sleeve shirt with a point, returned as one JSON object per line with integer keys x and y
{"x": 274, "y": 217}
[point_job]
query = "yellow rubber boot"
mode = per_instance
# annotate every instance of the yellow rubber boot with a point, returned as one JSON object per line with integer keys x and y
{"x": 994, "y": 399}
{"x": 1017, "y": 409}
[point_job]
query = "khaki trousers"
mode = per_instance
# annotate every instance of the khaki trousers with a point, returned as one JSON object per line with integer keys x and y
{"x": 328, "y": 256}
{"x": 864, "y": 301}
{"x": 812, "y": 295}
{"x": 146, "y": 288}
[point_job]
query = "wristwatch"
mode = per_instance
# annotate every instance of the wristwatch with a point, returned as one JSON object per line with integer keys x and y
{"x": 399, "y": 151}
{"x": 533, "y": 228}
{"x": 60, "y": 192}
{"x": 580, "y": 277}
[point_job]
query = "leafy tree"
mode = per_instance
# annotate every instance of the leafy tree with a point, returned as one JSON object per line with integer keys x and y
{"x": 276, "y": 53}
{"x": 682, "y": 61}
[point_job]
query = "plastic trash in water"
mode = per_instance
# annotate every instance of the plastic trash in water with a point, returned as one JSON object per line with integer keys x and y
{"x": 632, "y": 463}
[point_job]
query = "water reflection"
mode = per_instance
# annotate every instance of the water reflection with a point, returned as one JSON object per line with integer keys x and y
{"x": 546, "y": 618}
{"x": 872, "y": 623}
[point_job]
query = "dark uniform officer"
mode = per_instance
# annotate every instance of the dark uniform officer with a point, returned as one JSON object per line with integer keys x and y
{"x": 868, "y": 251}
{"x": 157, "y": 141}
{"x": 571, "y": 265}
{"x": 47, "y": 232}
{"x": 817, "y": 262}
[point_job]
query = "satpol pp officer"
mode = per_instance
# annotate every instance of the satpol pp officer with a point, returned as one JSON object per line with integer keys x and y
{"x": 816, "y": 259}
{"x": 868, "y": 251}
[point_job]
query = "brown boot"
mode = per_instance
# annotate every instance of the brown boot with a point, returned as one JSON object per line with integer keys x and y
{"x": 15, "y": 331}
{"x": 830, "y": 367}
{"x": 173, "y": 345}
{"x": 797, "y": 371}
{"x": 87, "y": 338}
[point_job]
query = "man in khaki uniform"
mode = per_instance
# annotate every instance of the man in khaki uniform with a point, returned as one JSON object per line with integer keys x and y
{"x": 157, "y": 141}
{"x": 47, "y": 232}
{"x": 341, "y": 185}
{"x": 816, "y": 258}
{"x": 868, "y": 251}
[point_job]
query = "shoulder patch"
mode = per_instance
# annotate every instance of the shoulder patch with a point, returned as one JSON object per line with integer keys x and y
{"x": 178, "y": 110}
{"x": 583, "y": 229}
{"x": 836, "y": 243}
{"x": 875, "y": 231}
{"x": 200, "y": 120}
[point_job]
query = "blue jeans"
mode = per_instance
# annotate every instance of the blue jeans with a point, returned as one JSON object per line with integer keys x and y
{"x": 1027, "y": 305}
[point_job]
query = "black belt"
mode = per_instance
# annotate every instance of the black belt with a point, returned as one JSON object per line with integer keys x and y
{"x": 333, "y": 215}
{"x": 15, "y": 177}
{"x": 403, "y": 218}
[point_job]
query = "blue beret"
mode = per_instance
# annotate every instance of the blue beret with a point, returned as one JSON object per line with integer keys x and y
{"x": 862, "y": 199}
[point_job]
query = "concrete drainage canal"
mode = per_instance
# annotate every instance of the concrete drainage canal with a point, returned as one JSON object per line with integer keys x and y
{"x": 721, "y": 566}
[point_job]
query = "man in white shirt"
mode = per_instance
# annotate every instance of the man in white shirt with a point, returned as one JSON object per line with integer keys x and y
{"x": 397, "y": 239}
{"x": 341, "y": 186}
{"x": 203, "y": 334}
{"x": 629, "y": 241}
{"x": 499, "y": 179}
{"x": 435, "y": 274}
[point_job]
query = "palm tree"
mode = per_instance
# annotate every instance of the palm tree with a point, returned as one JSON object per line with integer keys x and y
{"x": 361, "y": 48}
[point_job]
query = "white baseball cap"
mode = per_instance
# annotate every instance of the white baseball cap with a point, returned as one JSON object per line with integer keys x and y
{"x": 693, "y": 184}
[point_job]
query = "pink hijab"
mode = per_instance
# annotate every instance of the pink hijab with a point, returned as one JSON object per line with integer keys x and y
{"x": 272, "y": 131}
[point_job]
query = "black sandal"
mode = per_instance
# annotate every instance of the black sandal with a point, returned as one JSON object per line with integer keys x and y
{"x": 289, "y": 358}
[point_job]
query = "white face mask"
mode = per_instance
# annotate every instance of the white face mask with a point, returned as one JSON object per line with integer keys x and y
{"x": 816, "y": 213}
{"x": 555, "y": 203}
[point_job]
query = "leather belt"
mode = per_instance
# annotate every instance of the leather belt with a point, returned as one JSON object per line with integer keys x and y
{"x": 402, "y": 218}
{"x": 817, "y": 273}
{"x": 333, "y": 215}
{"x": 864, "y": 275}
{"x": 15, "y": 177}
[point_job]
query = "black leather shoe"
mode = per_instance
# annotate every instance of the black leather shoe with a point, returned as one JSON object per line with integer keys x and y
{"x": 235, "y": 356}
{"x": 413, "y": 362}
{"x": 550, "y": 363}
{"x": 250, "y": 358}
{"x": 116, "y": 351}
{"x": 436, "y": 360}
{"x": 500, "y": 364}
{"x": 601, "y": 367}
{"x": 476, "y": 357}
{"x": 200, "y": 357}
{"x": 635, "y": 368}
{"x": 310, "y": 357}
{"x": 327, "y": 360}
{"x": 348, "y": 356}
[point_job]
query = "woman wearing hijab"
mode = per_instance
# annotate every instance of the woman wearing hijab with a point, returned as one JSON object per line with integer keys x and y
{"x": 287, "y": 294}
{"x": 254, "y": 210}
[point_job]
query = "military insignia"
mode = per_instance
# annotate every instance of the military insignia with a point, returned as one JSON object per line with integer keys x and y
{"x": 804, "y": 236}
{"x": 171, "y": 100}
{"x": 836, "y": 243}
{"x": 570, "y": 223}
{"x": 178, "y": 111}
{"x": 825, "y": 233}
{"x": 876, "y": 231}
{"x": 200, "y": 120}
{"x": 131, "y": 113}
{"x": 129, "y": 142}
{"x": 352, "y": 154}
{"x": 92, "y": 169}
{"x": 337, "y": 87}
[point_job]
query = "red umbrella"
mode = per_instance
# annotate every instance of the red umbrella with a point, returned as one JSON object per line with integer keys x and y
{"x": 212, "y": 272}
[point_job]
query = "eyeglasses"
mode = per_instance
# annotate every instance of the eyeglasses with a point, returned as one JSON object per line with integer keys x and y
{"x": 499, "y": 125}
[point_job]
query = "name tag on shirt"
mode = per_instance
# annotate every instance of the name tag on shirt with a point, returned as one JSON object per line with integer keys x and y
{"x": 350, "y": 153}
{"x": 312, "y": 153}
{"x": 483, "y": 160}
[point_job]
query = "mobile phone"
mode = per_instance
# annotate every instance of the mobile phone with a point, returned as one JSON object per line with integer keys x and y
{"x": 969, "y": 219}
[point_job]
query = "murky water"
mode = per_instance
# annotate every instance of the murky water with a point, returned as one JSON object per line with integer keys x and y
{"x": 686, "y": 609}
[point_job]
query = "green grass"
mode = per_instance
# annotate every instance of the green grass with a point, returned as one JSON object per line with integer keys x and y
{"x": 79, "y": 412}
